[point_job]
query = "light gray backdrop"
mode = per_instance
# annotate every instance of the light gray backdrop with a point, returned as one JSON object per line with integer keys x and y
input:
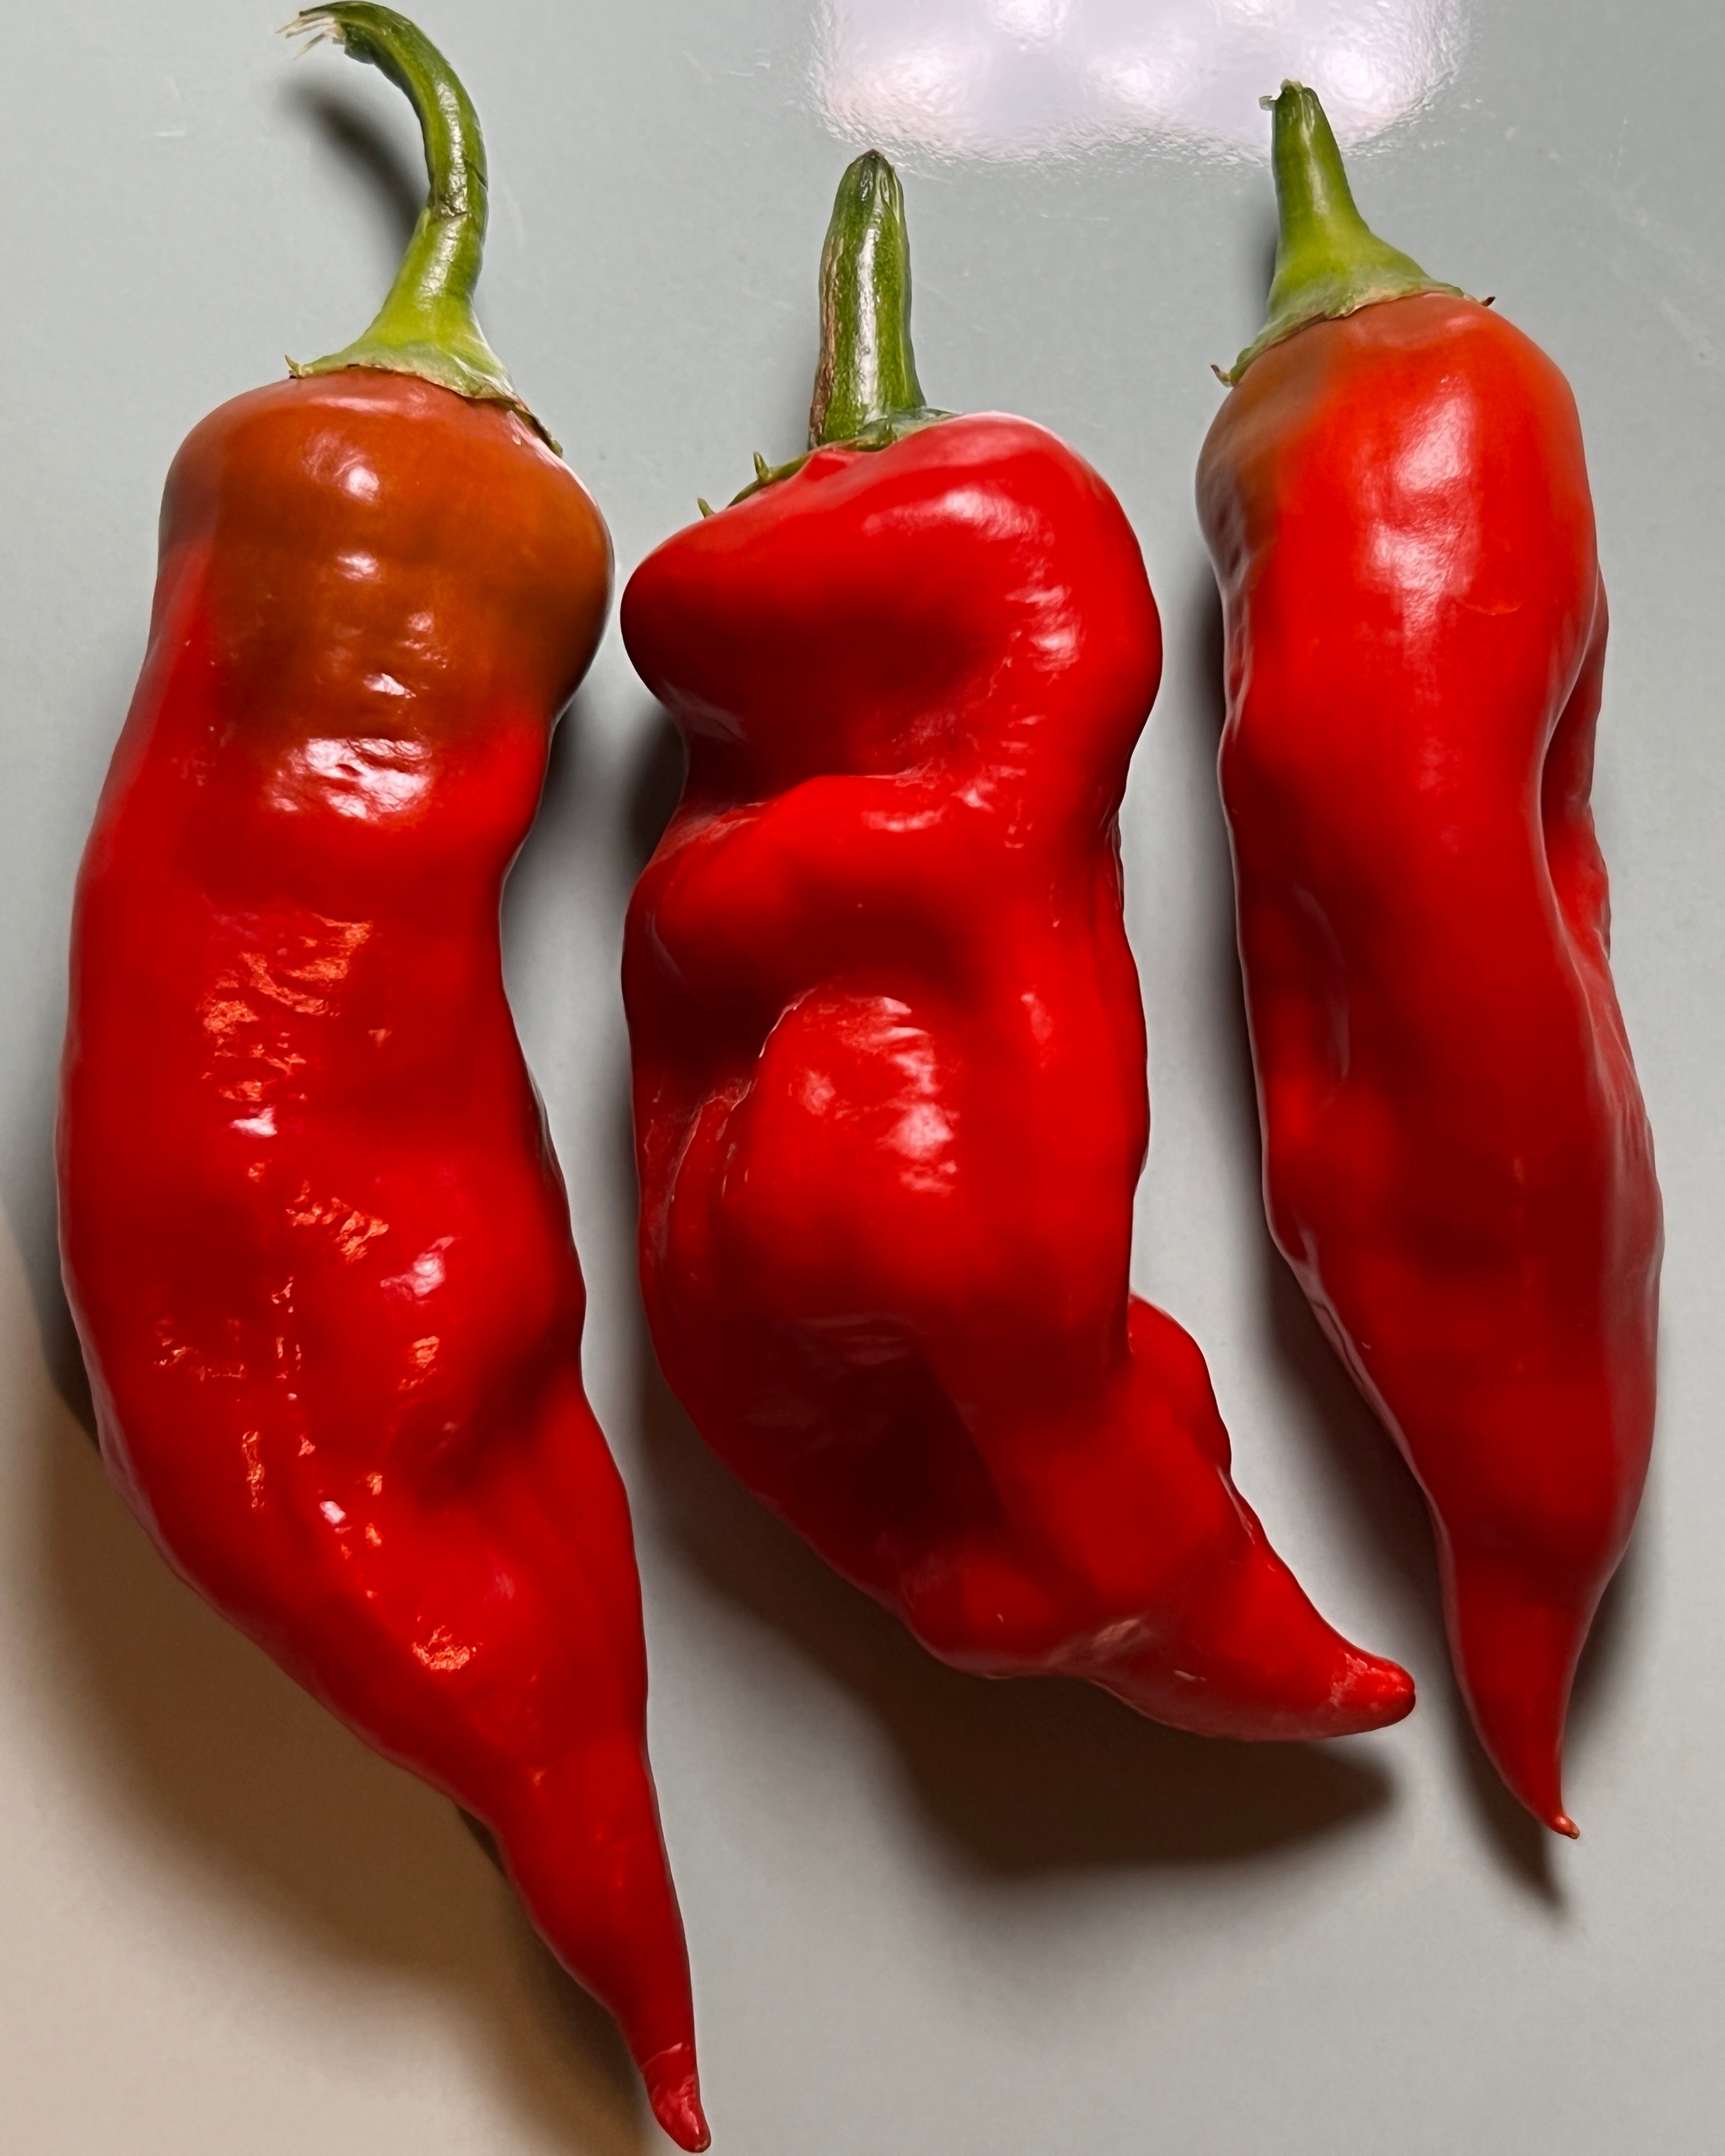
{"x": 926, "y": 1915}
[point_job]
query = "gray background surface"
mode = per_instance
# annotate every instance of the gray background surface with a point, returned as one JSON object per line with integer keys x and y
{"x": 926, "y": 1914}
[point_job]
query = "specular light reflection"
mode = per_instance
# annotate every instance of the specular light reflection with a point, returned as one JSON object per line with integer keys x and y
{"x": 1023, "y": 78}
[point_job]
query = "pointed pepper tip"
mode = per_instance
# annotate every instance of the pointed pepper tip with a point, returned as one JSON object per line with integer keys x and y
{"x": 675, "y": 2094}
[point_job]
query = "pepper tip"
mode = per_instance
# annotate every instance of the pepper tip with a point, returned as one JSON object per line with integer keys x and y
{"x": 1376, "y": 1693}
{"x": 675, "y": 2094}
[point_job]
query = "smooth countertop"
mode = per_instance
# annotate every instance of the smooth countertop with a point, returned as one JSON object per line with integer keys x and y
{"x": 926, "y": 1914}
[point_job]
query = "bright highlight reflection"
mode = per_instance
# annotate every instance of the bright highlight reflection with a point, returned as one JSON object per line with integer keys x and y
{"x": 1040, "y": 77}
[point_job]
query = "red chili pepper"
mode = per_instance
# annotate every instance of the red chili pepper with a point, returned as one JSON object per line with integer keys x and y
{"x": 1456, "y": 1161}
{"x": 315, "y": 1237}
{"x": 889, "y": 1055}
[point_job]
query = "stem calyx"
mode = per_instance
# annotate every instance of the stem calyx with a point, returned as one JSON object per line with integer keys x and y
{"x": 1328, "y": 260}
{"x": 426, "y": 327}
{"x": 866, "y": 392}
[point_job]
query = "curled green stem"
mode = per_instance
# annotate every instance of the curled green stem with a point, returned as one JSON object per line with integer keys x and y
{"x": 427, "y": 326}
{"x": 1328, "y": 260}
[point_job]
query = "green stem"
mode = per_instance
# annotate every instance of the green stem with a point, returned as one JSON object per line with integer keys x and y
{"x": 866, "y": 376}
{"x": 1328, "y": 260}
{"x": 866, "y": 393}
{"x": 427, "y": 326}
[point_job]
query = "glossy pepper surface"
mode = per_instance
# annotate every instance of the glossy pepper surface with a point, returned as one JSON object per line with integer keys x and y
{"x": 315, "y": 1236}
{"x": 889, "y": 1055}
{"x": 1457, "y": 1164}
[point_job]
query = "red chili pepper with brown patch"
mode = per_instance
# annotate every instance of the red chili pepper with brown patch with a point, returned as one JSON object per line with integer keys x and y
{"x": 889, "y": 1055}
{"x": 315, "y": 1237}
{"x": 1457, "y": 1163}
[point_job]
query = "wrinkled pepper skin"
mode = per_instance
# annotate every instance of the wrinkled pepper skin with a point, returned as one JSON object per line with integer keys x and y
{"x": 315, "y": 1237}
{"x": 890, "y": 1091}
{"x": 1457, "y": 1164}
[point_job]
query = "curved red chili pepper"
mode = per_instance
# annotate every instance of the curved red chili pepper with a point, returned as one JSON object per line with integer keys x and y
{"x": 315, "y": 1237}
{"x": 889, "y": 1055}
{"x": 1456, "y": 1160}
